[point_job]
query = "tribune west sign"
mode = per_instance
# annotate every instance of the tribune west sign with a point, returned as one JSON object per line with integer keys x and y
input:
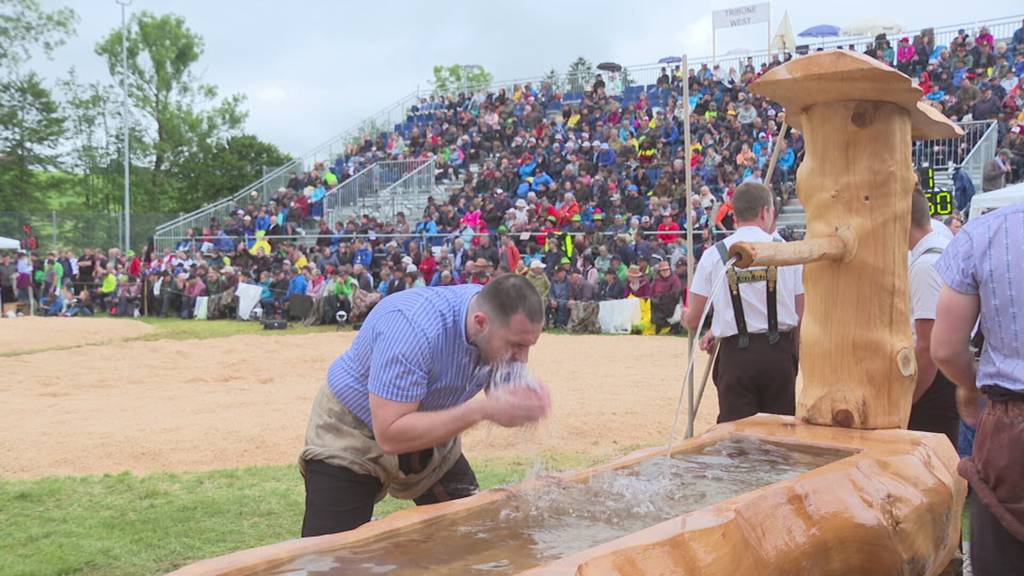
{"x": 741, "y": 16}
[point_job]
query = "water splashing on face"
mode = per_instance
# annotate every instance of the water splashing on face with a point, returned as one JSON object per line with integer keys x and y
{"x": 510, "y": 374}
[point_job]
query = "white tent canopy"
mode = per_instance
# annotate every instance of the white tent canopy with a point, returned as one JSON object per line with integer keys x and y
{"x": 9, "y": 243}
{"x": 985, "y": 201}
{"x": 873, "y": 27}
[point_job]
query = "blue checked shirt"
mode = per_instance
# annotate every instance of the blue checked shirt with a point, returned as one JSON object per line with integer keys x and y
{"x": 412, "y": 348}
{"x": 985, "y": 259}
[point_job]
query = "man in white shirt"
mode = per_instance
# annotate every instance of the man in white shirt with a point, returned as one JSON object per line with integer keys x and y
{"x": 757, "y": 360}
{"x": 934, "y": 408}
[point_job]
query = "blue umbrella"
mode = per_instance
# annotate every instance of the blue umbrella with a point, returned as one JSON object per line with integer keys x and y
{"x": 820, "y": 31}
{"x": 670, "y": 60}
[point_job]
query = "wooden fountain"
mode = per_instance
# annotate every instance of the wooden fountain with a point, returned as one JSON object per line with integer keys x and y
{"x": 893, "y": 505}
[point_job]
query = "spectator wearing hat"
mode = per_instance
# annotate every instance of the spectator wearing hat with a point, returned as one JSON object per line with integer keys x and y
{"x": 637, "y": 284}
{"x": 482, "y": 270}
{"x": 412, "y": 277}
{"x": 987, "y": 107}
{"x": 539, "y": 279}
{"x": 666, "y": 291}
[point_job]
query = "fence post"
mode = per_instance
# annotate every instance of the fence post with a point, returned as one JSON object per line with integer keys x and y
{"x": 53, "y": 223}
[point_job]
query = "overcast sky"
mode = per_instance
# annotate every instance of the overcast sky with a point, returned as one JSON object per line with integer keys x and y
{"x": 312, "y": 68}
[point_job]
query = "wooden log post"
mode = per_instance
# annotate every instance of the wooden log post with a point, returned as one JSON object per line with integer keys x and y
{"x": 858, "y": 118}
{"x": 857, "y": 350}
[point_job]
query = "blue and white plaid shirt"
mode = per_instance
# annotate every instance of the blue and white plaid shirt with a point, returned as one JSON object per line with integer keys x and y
{"x": 412, "y": 348}
{"x": 985, "y": 259}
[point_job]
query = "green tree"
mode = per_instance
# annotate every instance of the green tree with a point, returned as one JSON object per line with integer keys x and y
{"x": 93, "y": 142}
{"x": 460, "y": 78}
{"x": 181, "y": 117}
{"x": 25, "y": 26}
{"x": 30, "y": 120}
{"x": 225, "y": 167}
{"x": 580, "y": 75}
{"x": 30, "y": 130}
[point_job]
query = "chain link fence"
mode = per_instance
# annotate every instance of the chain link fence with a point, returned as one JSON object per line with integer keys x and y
{"x": 58, "y": 230}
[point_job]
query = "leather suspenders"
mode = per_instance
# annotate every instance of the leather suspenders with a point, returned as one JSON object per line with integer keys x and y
{"x": 735, "y": 278}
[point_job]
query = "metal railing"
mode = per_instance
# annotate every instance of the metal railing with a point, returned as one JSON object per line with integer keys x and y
{"x": 971, "y": 151}
{"x": 409, "y": 194}
{"x": 378, "y": 189}
{"x": 982, "y": 152}
{"x": 327, "y": 151}
{"x": 344, "y": 198}
{"x": 945, "y": 154}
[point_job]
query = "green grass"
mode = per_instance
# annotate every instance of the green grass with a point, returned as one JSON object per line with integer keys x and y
{"x": 177, "y": 329}
{"x": 124, "y": 524}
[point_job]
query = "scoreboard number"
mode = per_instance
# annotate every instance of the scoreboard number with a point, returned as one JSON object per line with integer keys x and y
{"x": 940, "y": 202}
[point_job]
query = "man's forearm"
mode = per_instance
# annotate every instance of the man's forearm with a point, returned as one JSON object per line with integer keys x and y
{"x": 926, "y": 371}
{"x": 418, "y": 430}
{"x": 959, "y": 368}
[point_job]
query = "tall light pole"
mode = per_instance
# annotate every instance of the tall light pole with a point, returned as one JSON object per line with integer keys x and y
{"x": 124, "y": 118}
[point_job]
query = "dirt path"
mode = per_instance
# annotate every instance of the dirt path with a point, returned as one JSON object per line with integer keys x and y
{"x": 29, "y": 333}
{"x": 221, "y": 403}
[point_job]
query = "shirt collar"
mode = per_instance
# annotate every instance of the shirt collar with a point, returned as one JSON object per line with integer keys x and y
{"x": 933, "y": 239}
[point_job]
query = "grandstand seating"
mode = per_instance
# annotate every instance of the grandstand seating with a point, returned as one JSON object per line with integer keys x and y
{"x": 419, "y": 113}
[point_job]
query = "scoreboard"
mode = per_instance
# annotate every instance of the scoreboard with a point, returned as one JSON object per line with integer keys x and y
{"x": 940, "y": 202}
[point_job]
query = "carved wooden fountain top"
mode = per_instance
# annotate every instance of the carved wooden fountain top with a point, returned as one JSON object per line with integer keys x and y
{"x": 858, "y": 117}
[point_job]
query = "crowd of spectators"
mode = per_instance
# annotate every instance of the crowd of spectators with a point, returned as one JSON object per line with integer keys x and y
{"x": 584, "y": 193}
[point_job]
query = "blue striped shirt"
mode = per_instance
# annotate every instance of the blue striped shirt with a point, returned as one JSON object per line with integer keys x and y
{"x": 985, "y": 259}
{"x": 412, "y": 348}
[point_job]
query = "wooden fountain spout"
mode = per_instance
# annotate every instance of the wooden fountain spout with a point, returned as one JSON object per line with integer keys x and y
{"x": 858, "y": 118}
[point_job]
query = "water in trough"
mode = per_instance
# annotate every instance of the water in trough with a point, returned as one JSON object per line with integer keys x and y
{"x": 528, "y": 529}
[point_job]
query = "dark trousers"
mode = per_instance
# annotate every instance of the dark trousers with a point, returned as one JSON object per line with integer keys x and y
{"x": 338, "y": 499}
{"x": 558, "y": 315}
{"x": 758, "y": 378}
{"x": 994, "y": 551}
{"x": 935, "y": 411}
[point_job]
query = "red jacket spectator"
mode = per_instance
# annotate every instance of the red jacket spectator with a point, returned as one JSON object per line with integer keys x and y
{"x": 510, "y": 255}
{"x": 427, "y": 267}
{"x": 667, "y": 225}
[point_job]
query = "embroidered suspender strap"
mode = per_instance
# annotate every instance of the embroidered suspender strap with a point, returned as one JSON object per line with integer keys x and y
{"x": 737, "y": 308}
{"x": 932, "y": 250}
{"x": 773, "y": 309}
{"x": 723, "y": 251}
{"x": 735, "y": 278}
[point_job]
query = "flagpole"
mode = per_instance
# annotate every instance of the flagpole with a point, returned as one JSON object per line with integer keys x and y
{"x": 689, "y": 242}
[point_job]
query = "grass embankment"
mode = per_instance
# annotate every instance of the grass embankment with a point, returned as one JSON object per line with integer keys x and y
{"x": 123, "y": 524}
